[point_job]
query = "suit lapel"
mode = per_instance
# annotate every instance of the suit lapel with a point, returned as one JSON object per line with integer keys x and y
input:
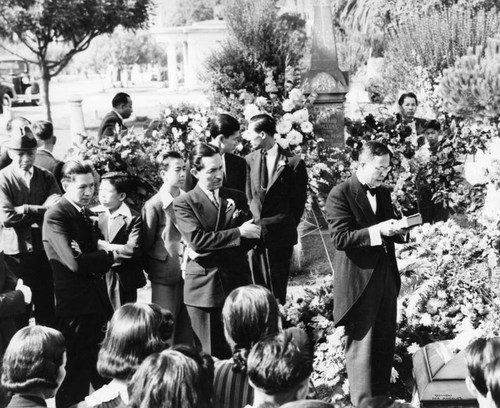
{"x": 362, "y": 200}
{"x": 279, "y": 166}
{"x": 207, "y": 211}
{"x": 103, "y": 225}
{"x": 255, "y": 173}
{"x": 116, "y": 225}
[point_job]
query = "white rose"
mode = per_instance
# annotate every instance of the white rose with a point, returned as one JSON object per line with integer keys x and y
{"x": 295, "y": 94}
{"x": 283, "y": 127}
{"x": 261, "y": 101}
{"x": 288, "y": 105}
{"x": 294, "y": 137}
{"x": 301, "y": 115}
{"x": 306, "y": 127}
{"x": 250, "y": 111}
{"x": 170, "y": 119}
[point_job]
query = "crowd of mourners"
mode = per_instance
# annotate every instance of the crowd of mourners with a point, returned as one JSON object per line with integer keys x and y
{"x": 216, "y": 243}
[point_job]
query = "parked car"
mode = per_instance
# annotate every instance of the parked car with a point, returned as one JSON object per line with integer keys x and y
{"x": 18, "y": 85}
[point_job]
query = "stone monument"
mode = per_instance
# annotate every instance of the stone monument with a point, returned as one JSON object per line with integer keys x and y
{"x": 325, "y": 82}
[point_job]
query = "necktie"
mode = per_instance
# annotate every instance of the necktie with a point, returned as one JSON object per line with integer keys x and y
{"x": 214, "y": 199}
{"x": 85, "y": 216}
{"x": 264, "y": 175}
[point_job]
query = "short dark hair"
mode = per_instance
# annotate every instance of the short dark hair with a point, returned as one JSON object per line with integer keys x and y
{"x": 9, "y": 125}
{"x": 264, "y": 123}
{"x": 307, "y": 404}
{"x": 172, "y": 379}
{"x": 371, "y": 149}
{"x": 250, "y": 313}
{"x": 492, "y": 374}
{"x": 402, "y": 98}
{"x": 200, "y": 151}
{"x": 477, "y": 354}
{"x": 120, "y": 180}
{"x": 135, "y": 331}
{"x": 279, "y": 363}
{"x": 32, "y": 359}
{"x": 74, "y": 167}
{"x": 223, "y": 124}
{"x": 121, "y": 98}
{"x": 163, "y": 159}
{"x": 43, "y": 129}
{"x": 433, "y": 124}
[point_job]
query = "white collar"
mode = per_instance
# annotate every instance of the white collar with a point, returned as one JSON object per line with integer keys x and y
{"x": 78, "y": 208}
{"x": 123, "y": 210}
{"x": 273, "y": 151}
{"x": 43, "y": 149}
{"x": 120, "y": 116}
{"x": 166, "y": 198}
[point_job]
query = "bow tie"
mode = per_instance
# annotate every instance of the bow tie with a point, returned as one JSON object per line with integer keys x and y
{"x": 371, "y": 190}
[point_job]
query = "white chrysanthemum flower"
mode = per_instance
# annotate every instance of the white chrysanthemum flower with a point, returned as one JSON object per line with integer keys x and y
{"x": 250, "y": 111}
{"x": 295, "y": 94}
{"x": 288, "y": 117}
{"x": 294, "y": 137}
{"x": 181, "y": 146}
{"x": 167, "y": 112}
{"x": 426, "y": 319}
{"x": 288, "y": 105}
{"x": 283, "y": 127}
{"x": 261, "y": 101}
{"x": 306, "y": 127}
{"x": 301, "y": 115}
{"x": 413, "y": 348}
{"x": 170, "y": 119}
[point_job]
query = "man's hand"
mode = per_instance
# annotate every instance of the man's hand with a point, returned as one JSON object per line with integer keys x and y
{"x": 25, "y": 289}
{"x": 19, "y": 209}
{"x": 104, "y": 245}
{"x": 250, "y": 230}
{"x": 52, "y": 200}
{"x": 390, "y": 228}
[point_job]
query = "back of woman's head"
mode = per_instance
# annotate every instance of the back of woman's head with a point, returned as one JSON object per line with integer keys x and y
{"x": 135, "y": 331}
{"x": 170, "y": 379}
{"x": 32, "y": 359}
{"x": 477, "y": 355}
{"x": 382, "y": 402}
{"x": 250, "y": 313}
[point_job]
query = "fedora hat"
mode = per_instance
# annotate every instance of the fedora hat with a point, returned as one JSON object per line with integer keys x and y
{"x": 23, "y": 140}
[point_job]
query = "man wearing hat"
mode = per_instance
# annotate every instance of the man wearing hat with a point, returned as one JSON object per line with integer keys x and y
{"x": 26, "y": 191}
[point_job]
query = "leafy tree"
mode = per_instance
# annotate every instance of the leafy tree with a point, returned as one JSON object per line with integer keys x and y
{"x": 42, "y": 25}
{"x": 190, "y": 11}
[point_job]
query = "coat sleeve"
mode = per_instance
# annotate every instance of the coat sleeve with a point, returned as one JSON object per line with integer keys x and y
{"x": 345, "y": 232}
{"x": 52, "y": 188}
{"x": 249, "y": 182}
{"x": 299, "y": 197}
{"x": 57, "y": 235}
{"x": 9, "y": 217}
{"x": 199, "y": 239}
{"x": 149, "y": 226}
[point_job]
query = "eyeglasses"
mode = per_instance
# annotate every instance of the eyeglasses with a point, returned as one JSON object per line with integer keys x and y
{"x": 383, "y": 169}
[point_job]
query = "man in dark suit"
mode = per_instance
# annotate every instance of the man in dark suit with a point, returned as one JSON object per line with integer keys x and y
{"x": 224, "y": 134}
{"x": 44, "y": 134}
{"x": 277, "y": 191}
{"x": 366, "y": 278}
{"x": 70, "y": 239}
{"x": 214, "y": 222}
{"x": 113, "y": 121}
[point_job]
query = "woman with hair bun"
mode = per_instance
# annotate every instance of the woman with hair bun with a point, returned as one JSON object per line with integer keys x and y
{"x": 250, "y": 313}
{"x": 408, "y": 104}
{"x": 135, "y": 331}
{"x": 34, "y": 366}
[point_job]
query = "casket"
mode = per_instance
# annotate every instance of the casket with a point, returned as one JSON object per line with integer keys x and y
{"x": 439, "y": 376}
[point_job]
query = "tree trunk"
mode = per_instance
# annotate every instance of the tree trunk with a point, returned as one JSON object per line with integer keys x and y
{"x": 45, "y": 91}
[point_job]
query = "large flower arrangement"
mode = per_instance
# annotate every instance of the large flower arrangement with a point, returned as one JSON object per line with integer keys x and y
{"x": 446, "y": 294}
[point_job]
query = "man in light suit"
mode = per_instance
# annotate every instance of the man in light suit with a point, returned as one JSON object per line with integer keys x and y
{"x": 70, "y": 238}
{"x": 366, "y": 278}
{"x": 113, "y": 122}
{"x": 214, "y": 222}
{"x": 277, "y": 191}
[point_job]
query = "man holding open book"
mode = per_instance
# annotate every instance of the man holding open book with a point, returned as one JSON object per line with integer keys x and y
{"x": 366, "y": 277}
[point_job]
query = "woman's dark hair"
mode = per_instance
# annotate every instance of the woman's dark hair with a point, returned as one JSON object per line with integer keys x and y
{"x": 32, "y": 359}
{"x": 264, "y": 123}
{"x": 382, "y": 402}
{"x": 281, "y": 362}
{"x": 477, "y": 354}
{"x": 223, "y": 124}
{"x": 120, "y": 180}
{"x": 402, "y": 98}
{"x": 135, "y": 331}
{"x": 170, "y": 379}
{"x": 200, "y": 151}
{"x": 250, "y": 313}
